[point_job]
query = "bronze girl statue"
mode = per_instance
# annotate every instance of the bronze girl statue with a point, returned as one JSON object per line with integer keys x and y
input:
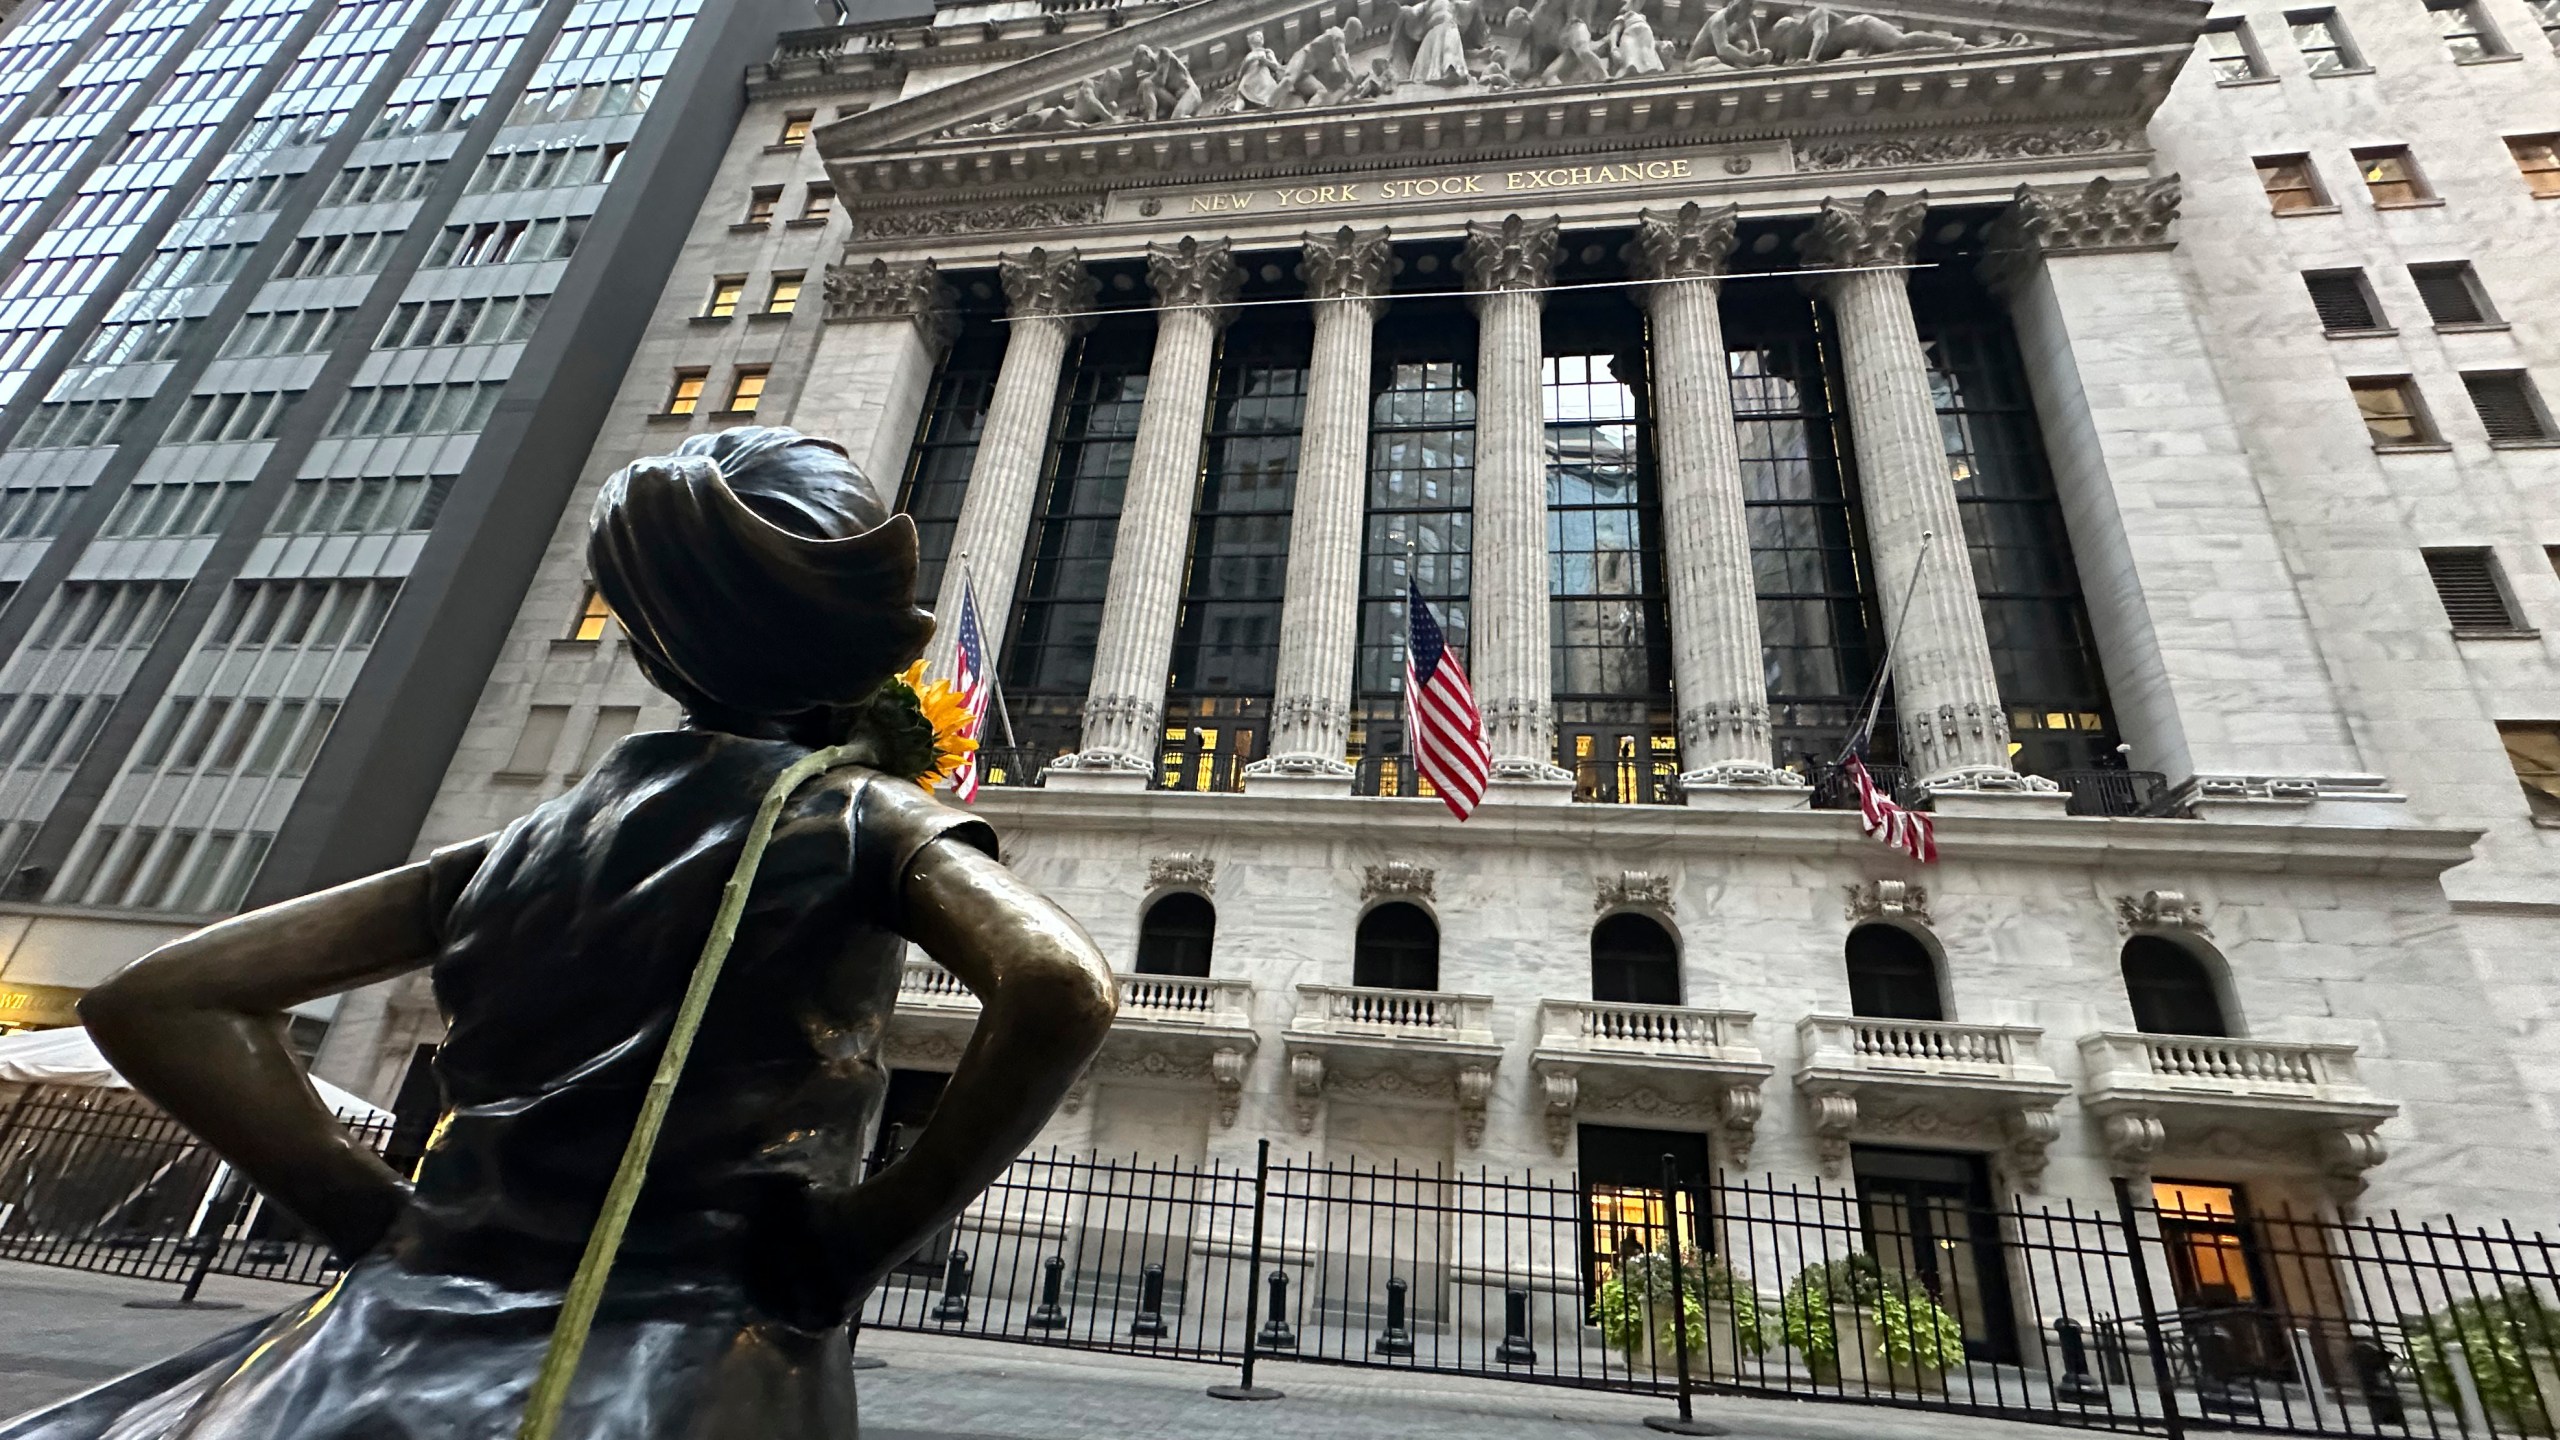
{"x": 764, "y": 586}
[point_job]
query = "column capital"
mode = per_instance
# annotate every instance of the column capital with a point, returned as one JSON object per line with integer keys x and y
{"x": 1690, "y": 243}
{"x": 1194, "y": 274}
{"x": 1048, "y": 283}
{"x": 1347, "y": 264}
{"x": 2061, "y": 219}
{"x": 914, "y": 292}
{"x": 1510, "y": 253}
{"x": 1874, "y": 232}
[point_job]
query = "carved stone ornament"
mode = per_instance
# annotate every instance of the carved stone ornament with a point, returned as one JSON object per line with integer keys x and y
{"x": 1887, "y": 900}
{"x": 1191, "y": 273}
{"x": 1834, "y": 1117}
{"x": 1306, "y": 1088}
{"x": 914, "y": 292}
{"x": 1475, "y": 1087}
{"x": 1878, "y": 230}
{"x": 1227, "y": 1066}
{"x": 1401, "y": 879}
{"x": 2345, "y": 1156}
{"x": 1183, "y": 869}
{"x": 2029, "y": 1133}
{"x": 2160, "y": 910}
{"x": 1347, "y": 264}
{"x": 870, "y": 224}
{"x": 1632, "y": 887}
{"x": 1046, "y": 282}
{"x": 1690, "y": 243}
{"x": 1562, "y": 1091}
{"x": 1510, "y": 253}
{"x": 1738, "y": 1121}
{"x": 1961, "y": 147}
{"x": 1112, "y": 714}
{"x": 2131, "y": 1138}
{"x": 2060, "y": 219}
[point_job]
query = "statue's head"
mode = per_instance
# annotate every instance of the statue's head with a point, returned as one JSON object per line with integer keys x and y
{"x": 1254, "y": 38}
{"x": 763, "y": 583}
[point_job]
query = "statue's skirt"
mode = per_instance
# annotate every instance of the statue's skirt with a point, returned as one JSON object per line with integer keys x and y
{"x": 390, "y": 1354}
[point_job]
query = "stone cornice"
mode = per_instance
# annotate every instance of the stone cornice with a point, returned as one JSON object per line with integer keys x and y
{"x": 1918, "y": 95}
{"x": 2153, "y": 848}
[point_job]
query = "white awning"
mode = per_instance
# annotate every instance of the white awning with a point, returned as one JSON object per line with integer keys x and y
{"x": 69, "y": 1057}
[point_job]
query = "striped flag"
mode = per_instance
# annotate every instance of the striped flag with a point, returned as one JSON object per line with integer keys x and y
{"x": 975, "y": 685}
{"x": 1446, "y": 731}
{"x": 1909, "y": 831}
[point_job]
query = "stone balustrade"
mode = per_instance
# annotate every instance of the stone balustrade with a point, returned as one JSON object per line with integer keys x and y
{"x": 1943, "y": 1047}
{"x": 2147, "y": 1091}
{"x": 1611, "y": 1060}
{"x": 1856, "y": 1071}
{"x": 1183, "y": 1000}
{"x": 1363, "y": 1012}
{"x": 1666, "y": 1031}
{"x": 2220, "y": 1067}
{"x": 927, "y": 986}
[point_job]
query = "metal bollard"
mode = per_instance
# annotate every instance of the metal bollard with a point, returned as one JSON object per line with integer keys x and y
{"x": 2077, "y": 1385}
{"x": 1050, "y": 1315}
{"x": 1515, "y": 1348}
{"x": 1276, "y": 1334}
{"x": 1150, "y": 1322}
{"x": 1395, "y": 1339}
{"x": 954, "y": 1306}
{"x": 2370, "y": 1359}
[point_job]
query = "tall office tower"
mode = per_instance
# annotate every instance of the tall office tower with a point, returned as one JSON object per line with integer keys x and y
{"x": 300, "y": 350}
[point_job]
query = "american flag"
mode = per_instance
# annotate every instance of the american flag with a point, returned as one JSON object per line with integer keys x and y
{"x": 976, "y": 687}
{"x": 1909, "y": 831}
{"x": 1447, "y": 732}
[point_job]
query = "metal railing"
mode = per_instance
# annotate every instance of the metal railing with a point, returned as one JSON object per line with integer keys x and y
{"x": 2116, "y": 792}
{"x": 1014, "y": 766}
{"x": 1833, "y": 789}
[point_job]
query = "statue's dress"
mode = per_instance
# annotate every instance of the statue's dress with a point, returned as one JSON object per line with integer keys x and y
{"x": 568, "y": 939}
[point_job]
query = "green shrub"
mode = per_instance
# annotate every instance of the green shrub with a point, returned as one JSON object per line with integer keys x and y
{"x": 1911, "y": 1331}
{"x": 2498, "y": 1334}
{"x": 1642, "y": 1282}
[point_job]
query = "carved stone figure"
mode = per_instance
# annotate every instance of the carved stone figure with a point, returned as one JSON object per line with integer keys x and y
{"x": 1731, "y": 36}
{"x": 1554, "y": 45}
{"x": 765, "y": 586}
{"x": 1258, "y": 80}
{"x": 1162, "y": 85}
{"x": 1433, "y": 37}
{"x": 1822, "y": 33}
{"x": 1321, "y": 72}
{"x": 1631, "y": 46}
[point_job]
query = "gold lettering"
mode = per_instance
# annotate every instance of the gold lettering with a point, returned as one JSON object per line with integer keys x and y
{"x": 1474, "y": 188}
{"x": 1679, "y": 169}
{"x": 1200, "y": 204}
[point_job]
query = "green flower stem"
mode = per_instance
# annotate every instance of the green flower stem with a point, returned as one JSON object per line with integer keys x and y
{"x": 586, "y": 1290}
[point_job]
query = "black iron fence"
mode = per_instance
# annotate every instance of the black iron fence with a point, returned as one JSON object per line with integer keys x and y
{"x": 2169, "y": 1309}
{"x": 99, "y": 1179}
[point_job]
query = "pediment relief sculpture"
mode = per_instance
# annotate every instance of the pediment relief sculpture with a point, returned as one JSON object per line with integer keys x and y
{"x": 1434, "y": 48}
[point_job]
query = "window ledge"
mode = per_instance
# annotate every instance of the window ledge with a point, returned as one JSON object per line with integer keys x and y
{"x": 563, "y": 645}
{"x": 2307, "y": 210}
{"x": 2526, "y": 634}
{"x": 2546, "y": 822}
{"x": 2242, "y": 85}
{"x": 2384, "y": 333}
{"x": 2432, "y": 202}
{"x": 2548, "y": 442}
{"x": 2492, "y": 59}
{"x": 519, "y": 777}
{"x": 2341, "y": 74}
{"x": 785, "y": 148}
{"x": 669, "y": 417}
{"x": 818, "y": 222}
{"x": 2472, "y": 327}
{"x": 2420, "y": 447}
{"x": 709, "y": 319}
{"x": 768, "y": 317}
{"x": 750, "y": 227}
{"x": 733, "y": 414}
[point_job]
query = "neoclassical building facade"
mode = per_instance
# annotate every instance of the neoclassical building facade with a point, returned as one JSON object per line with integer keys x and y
{"x": 1692, "y": 360}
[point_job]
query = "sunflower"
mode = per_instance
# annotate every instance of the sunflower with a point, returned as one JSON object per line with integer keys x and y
{"x": 942, "y": 708}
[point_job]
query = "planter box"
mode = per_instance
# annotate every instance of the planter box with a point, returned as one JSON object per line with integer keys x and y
{"x": 1860, "y": 1368}
{"x": 1717, "y": 1360}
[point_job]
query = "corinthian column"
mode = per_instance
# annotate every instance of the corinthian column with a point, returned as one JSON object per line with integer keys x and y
{"x": 1716, "y": 668}
{"x": 1508, "y": 654}
{"x": 1195, "y": 282}
{"x": 1049, "y": 298}
{"x": 1346, "y": 273}
{"x": 1946, "y": 696}
{"x": 887, "y": 326}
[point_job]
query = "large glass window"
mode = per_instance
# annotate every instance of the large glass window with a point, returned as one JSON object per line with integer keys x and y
{"x": 1812, "y": 582}
{"x": 2042, "y": 648}
{"x": 1892, "y": 976}
{"x": 1057, "y": 612}
{"x": 1177, "y": 936}
{"x": 2171, "y": 990}
{"x": 1422, "y": 460}
{"x": 1634, "y": 961}
{"x": 946, "y": 448}
{"x": 1398, "y": 949}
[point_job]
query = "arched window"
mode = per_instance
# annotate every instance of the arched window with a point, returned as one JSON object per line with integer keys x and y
{"x": 1398, "y": 949}
{"x": 2172, "y": 991}
{"x": 1892, "y": 976}
{"x": 1175, "y": 937}
{"x": 1634, "y": 962}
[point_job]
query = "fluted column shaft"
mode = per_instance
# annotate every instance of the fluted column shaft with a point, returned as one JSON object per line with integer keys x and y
{"x": 1048, "y": 298}
{"x": 1320, "y": 612}
{"x": 1946, "y": 695}
{"x": 1716, "y": 665}
{"x": 1133, "y": 654}
{"x": 1508, "y": 623}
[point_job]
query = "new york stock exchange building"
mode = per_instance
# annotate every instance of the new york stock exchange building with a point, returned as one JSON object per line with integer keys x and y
{"x": 2164, "y": 388}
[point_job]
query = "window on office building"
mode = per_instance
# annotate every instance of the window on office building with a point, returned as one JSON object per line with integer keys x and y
{"x": 685, "y": 395}
{"x": 2393, "y": 414}
{"x": 726, "y": 290}
{"x": 2453, "y": 294}
{"x": 2474, "y": 595}
{"x": 2533, "y": 748}
{"x": 2392, "y": 177}
{"x": 795, "y": 128}
{"x": 2467, "y": 31}
{"x": 2233, "y": 52}
{"x": 784, "y": 297}
{"x": 2509, "y": 407}
{"x": 2344, "y": 301}
{"x": 746, "y": 392}
{"x": 2291, "y": 183}
{"x": 2322, "y": 38}
{"x": 2537, "y": 157}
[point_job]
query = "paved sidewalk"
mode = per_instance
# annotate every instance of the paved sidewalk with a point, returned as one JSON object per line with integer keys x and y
{"x": 62, "y": 1331}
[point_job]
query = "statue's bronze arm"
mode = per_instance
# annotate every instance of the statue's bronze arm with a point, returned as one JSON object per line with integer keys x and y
{"x": 198, "y": 1026}
{"x": 1047, "y": 999}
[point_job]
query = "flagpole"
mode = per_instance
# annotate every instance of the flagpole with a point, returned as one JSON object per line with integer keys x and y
{"x": 1884, "y": 673}
{"x": 1004, "y": 716}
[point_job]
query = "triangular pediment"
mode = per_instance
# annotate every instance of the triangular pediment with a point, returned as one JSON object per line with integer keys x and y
{"x": 1171, "y": 82}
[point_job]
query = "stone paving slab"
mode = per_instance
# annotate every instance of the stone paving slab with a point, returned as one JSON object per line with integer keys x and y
{"x": 62, "y": 1331}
